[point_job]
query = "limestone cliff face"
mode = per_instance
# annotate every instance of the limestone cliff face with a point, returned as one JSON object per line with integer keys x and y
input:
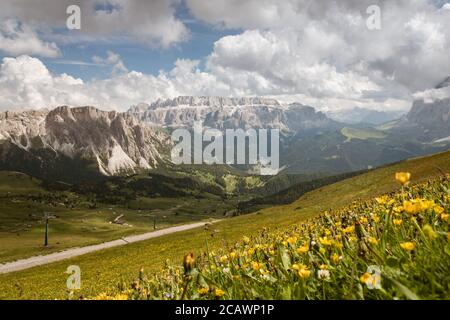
{"x": 227, "y": 113}
{"x": 116, "y": 142}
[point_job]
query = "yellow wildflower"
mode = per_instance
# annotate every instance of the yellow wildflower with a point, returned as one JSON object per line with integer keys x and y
{"x": 408, "y": 246}
{"x": 444, "y": 216}
{"x": 335, "y": 258}
{"x": 438, "y": 209}
{"x": 365, "y": 277}
{"x": 203, "y": 291}
{"x": 121, "y": 296}
{"x": 403, "y": 178}
{"x": 303, "y": 249}
{"x": 256, "y": 266}
{"x": 303, "y": 271}
{"x": 325, "y": 241}
{"x": 349, "y": 229}
{"x": 219, "y": 293}
{"x": 373, "y": 241}
{"x": 292, "y": 240}
{"x": 397, "y": 222}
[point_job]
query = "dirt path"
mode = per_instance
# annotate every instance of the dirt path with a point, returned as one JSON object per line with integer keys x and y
{"x": 69, "y": 253}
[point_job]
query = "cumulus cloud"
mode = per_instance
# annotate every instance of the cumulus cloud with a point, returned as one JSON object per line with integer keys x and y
{"x": 18, "y": 38}
{"x": 26, "y": 83}
{"x": 111, "y": 59}
{"x": 325, "y": 48}
{"x": 316, "y": 52}
{"x": 149, "y": 22}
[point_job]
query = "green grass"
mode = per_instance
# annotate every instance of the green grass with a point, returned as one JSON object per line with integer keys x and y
{"x": 329, "y": 256}
{"x": 23, "y": 202}
{"x": 104, "y": 269}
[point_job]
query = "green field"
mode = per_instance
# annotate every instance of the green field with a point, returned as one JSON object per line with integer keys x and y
{"x": 104, "y": 270}
{"x": 82, "y": 220}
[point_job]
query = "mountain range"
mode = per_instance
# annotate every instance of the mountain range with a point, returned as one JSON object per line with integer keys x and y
{"x": 84, "y": 142}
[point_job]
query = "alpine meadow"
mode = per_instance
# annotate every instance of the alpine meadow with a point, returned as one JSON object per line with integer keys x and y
{"x": 236, "y": 153}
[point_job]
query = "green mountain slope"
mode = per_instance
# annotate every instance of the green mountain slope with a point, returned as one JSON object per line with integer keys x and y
{"x": 103, "y": 270}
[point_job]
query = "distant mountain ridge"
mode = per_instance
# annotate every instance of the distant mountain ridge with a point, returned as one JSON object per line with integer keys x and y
{"x": 85, "y": 141}
{"x": 227, "y": 113}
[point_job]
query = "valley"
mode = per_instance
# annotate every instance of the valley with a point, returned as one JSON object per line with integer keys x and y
{"x": 112, "y": 268}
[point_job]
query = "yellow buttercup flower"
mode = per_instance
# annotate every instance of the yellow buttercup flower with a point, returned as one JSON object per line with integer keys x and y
{"x": 219, "y": 293}
{"x": 303, "y": 249}
{"x": 292, "y": 240}
{"x": 403, "y": 178}
{"x": 438, "y": 209}
{"x": 382, "y": 199}
{"x": 408, "y": 246}
{"x": 256, "y": 266}
{"x": 203, "y": 291}
{"x": 303, "y": 272}
{"x": 365, "y": 277}
{"x": 397, "y": 222}
{"x": 335, "y": 258}
{"x": 444, "y": 216}
{"x": 349, "y": 229}
{"x": 373, "y": 241}
{"x": 325, "y": 241}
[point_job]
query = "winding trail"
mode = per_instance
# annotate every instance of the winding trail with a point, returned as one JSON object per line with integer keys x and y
{"x": 78, "y": 251}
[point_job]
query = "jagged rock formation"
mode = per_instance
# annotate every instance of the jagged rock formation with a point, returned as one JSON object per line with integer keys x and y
{"x": 116, "y": 142}
{"x": 227, "y": 113}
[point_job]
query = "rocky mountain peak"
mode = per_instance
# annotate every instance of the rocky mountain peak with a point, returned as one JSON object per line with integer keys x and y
{"x": 116, "y": 142}
{"x": 214, "y": 102}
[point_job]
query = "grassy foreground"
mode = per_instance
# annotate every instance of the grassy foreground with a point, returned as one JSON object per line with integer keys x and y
{"x": 396, "y": 246}
{"x": 103, "y": 271}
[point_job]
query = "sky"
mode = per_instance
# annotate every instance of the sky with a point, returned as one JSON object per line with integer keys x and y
{"x": 332, "y": 55}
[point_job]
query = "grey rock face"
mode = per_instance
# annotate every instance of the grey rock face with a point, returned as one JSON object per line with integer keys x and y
{"x": 227, "y": 113}
{"x": 117, "y": 142}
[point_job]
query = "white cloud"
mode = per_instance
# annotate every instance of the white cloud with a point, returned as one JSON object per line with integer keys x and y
{"x": 148, "y": 22}
{"x": 26, "y": 83}
{"x": 18, "y": 38}
{"x": 325, "y": 48}
{"x": 316, "y": 52}
{"x": 112, "y": 59}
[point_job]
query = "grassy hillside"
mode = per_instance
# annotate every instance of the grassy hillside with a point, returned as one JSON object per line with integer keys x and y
{"x": 84, "y": 211}
{"x": 103, "y": 270}
{"x": 395, "y": 246}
